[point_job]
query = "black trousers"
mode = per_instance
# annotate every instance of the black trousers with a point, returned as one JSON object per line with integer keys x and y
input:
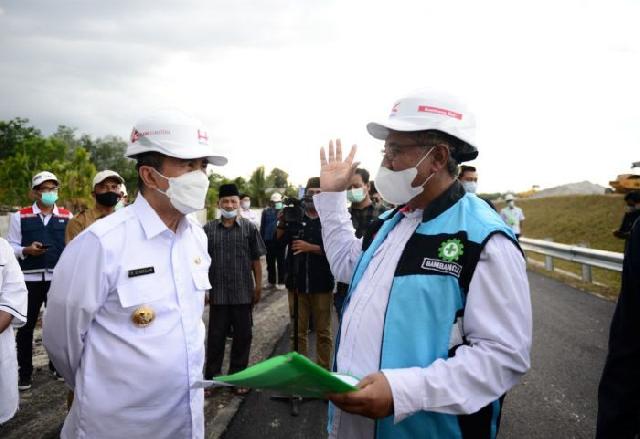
{"x": 220, "y": 318}
{"x": 37, "y": 295}
{"x": 275, "y": 262}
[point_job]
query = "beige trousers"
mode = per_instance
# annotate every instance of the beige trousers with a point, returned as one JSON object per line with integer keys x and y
{"x": 318, "y": 305}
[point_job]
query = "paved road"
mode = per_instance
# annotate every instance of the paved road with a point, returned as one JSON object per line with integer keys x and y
{"x": 557, "y": 399}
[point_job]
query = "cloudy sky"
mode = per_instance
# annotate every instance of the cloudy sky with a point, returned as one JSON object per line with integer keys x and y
{"x": 554, "y": 84}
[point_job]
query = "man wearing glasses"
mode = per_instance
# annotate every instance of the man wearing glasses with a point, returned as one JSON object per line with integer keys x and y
{"x": 36, "y": 234}
{"x": 437, "y": 320}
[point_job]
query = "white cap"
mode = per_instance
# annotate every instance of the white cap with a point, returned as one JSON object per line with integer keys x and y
{"x": 276, "y": 197}
{"x": 508, "y": 197}
{"x": 174, "y": 134}
{"x": 103, "y": 175}
{"x": 428, "y": 110}
{"x": 41, "y": 177}
{"x": 123, "y": 189}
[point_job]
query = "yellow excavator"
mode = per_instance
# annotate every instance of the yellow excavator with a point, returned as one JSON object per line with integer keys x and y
{"x": 626, "y": 183}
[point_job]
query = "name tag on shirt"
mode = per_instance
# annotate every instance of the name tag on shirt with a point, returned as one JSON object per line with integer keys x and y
{"x": 141, "y": 271}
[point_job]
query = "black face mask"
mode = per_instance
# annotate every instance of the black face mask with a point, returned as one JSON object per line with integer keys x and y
{"x": 108, "y": 199}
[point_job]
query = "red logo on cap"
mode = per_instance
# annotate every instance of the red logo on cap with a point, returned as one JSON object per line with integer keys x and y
{"x": 442, "y": 111}
{"x": 395, "y": 107}
{"x": 202, "y": 137}
{"x": 135, "y": 135}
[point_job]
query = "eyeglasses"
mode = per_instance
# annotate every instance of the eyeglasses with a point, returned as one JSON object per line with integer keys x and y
{"x": 390, "y": 152}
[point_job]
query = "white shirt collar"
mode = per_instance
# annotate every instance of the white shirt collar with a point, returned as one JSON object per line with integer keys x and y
{"x": 38, "y": 211}
{"x": 151, "y": 222}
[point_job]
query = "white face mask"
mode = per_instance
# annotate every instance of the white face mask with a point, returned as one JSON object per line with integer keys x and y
{"x": 470, "y": 186}
{"x": 187, "y": 192}
{"x": 356, "y": 195}
{"x": 228, "y": 214}
{"x": 245, "y": 204}
{"x": 395, "y": 186}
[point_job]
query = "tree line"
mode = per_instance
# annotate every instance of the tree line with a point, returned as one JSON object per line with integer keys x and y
{"x": 75, "y": 159}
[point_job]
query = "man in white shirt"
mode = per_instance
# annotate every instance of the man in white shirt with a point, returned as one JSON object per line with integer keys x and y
{"x": 124, "y": 322}
{"x": 13, "y": 314}
{"x": 512, "y": 215}
{"x": 246, "y": 212}
{"x": 437, "y": 321}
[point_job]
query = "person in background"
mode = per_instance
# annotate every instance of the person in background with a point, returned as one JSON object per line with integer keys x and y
{"x": 375, "y": 196}
{"x": 245, "y": 210}
{"x": 363, "y": 212}
{"x": 468, "y": 176}
{"x": 124, "y": 322}
{"x": 632, "y": 213}
{"x": 313, "y": 282}
{"x": 619, "y": 390}
{"x": 124, "y": 197}
{"x": 512, "y": 215}
{"x": 36, "y": 234}
{"x": 235, "y": 248}
{"x": 107, "y": 194}
{"x": 13, "y": 314}
{"x": 276, "y": 268}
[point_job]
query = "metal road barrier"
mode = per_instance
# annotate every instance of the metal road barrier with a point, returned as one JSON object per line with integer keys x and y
{"x": 574, "y": 253}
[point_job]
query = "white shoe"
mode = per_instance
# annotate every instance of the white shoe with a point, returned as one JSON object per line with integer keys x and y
{"x": 281, "y": 287}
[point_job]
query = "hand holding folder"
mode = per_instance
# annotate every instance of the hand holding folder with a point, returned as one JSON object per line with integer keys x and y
{"x": 292, "y": 374}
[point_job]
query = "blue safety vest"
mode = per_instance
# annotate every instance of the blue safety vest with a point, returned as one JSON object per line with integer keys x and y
{"x": 427, "y": 301}
{"x": 33, "y": 229}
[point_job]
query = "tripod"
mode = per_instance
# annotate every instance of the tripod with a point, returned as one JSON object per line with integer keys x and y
{"x": 294, "y": 400}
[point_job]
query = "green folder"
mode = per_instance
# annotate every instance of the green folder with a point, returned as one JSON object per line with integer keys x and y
{"x": 291, "y": 374}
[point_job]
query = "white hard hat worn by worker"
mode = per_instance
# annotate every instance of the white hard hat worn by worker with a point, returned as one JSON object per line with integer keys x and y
{"x": 41, "y": 177}
{"x": 276, "y": 197}
{"x": 103, "y": 175}
{"x": 173, "y": 134}
{"x": 427, "y": 110}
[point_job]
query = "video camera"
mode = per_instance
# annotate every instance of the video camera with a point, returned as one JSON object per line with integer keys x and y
{"x": 293, "y": 217}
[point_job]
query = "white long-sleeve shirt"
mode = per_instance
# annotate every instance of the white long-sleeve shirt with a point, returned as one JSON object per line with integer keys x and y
{"x": 13, "y": 300}
{"x": 14, "y": 236}
{"x": 497, "y": 324}
{"x": 131, "y": 380}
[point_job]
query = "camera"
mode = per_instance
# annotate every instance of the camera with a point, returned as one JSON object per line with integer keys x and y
{"x": 293, "y": 217}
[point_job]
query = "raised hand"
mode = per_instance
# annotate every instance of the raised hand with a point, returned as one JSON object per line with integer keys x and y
{"x": 335, "y": 174}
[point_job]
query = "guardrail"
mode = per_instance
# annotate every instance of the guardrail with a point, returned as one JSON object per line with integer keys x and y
{"x": 574, "y": 253}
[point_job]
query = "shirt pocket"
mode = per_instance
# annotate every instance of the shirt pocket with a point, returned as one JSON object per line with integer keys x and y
{"x": 201, "y": 280}
{"x": 148, "y": 305}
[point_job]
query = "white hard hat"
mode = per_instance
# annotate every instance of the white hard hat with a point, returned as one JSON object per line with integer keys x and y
{"x": 508, "y": 197}
{"x": 276, "y": 197}
{"x": 174, "y": 134}
{"x": 103, "y": 175}
{"x": 428, "y": 110}
{"x": 41, "y": 177}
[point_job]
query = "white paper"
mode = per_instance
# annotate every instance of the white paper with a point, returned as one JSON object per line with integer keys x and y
{"x": 352, "y": 381}
{"x": 204, "y": 384}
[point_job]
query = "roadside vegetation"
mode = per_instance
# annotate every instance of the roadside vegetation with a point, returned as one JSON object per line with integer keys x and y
{"x": 573, "y": 220}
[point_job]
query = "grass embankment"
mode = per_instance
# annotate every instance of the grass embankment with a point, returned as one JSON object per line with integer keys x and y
{"x": 587, "y": 219}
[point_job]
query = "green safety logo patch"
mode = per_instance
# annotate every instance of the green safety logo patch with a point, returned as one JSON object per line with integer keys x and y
{"x": 451, "y": 250}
